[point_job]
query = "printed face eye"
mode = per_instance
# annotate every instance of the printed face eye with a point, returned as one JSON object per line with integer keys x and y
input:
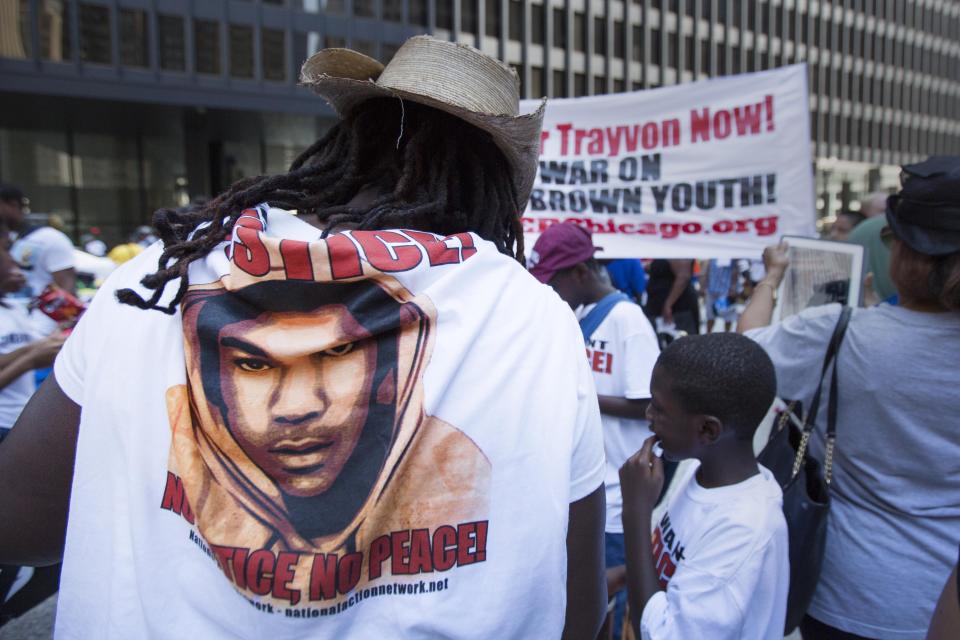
{"x": 252, "y": 365}
{"x": 339, "y": 350}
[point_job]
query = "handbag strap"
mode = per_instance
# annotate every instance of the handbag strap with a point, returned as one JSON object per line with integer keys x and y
{"x": 810, "y": 421}
{"x": 834, "y": 395}
{"x": 592, "y": 321}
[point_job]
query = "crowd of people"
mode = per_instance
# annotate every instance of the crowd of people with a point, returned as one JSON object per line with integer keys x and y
{"x": 346, "y": 401}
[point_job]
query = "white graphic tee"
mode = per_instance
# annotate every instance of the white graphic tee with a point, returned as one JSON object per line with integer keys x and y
{"x": 41, "y": 253}
{"x": 374, "y": 435}
{"x": 621, "y": 353}
{"x": 16, "y": 330}
{"x": 722, "y": 557}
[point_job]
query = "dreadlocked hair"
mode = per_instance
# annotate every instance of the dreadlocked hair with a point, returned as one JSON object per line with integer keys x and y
{"x": 435, "y": 172}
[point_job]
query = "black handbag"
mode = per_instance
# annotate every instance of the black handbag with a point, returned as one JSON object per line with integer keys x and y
{"x": 805, "y": 485}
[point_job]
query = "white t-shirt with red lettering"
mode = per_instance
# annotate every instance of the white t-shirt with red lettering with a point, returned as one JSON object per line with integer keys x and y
{"x": 621, "y": 353}
{"x": 375, "y": 435}
{"x": 722, "y": 556}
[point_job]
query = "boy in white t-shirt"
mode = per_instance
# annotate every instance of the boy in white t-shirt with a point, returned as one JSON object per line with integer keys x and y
{"x": 621, "y": 351}
{"x": 719, "y": 565}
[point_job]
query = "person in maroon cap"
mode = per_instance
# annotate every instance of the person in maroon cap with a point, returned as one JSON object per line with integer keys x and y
{"x": 621, "y": 350}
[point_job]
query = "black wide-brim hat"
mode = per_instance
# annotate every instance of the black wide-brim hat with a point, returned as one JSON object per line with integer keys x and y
{"x": 449, "y": 76}
{"x": 926, "y": 213}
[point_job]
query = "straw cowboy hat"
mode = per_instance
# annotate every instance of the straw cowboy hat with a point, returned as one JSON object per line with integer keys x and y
{"x": 452, "y": 77}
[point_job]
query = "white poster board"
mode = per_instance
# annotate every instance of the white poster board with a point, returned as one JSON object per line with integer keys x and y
{"x": 713, "y": 169}
{"x": 820, "y": 272}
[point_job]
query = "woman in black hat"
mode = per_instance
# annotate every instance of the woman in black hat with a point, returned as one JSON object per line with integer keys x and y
{"x": 895, "y": 509}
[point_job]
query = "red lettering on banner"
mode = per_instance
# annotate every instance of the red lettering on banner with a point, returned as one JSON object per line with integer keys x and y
{"x": 613, "y": 140}
{"x": 744, "y": 120}
{"x": 296, "y": 259}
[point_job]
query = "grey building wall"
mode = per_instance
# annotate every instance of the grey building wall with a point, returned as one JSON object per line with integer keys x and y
{"x": 884, "y": 74}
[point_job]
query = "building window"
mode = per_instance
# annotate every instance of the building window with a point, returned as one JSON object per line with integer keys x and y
{"x": 492, "y": 18}
{"x": 418, "y": 12}
{"x": 689, "y": 60}
{"x": 366, "y": 47}
{"x": 579, "y": 32}
{"x": 387, "y": 51}
{"x": 559, "y": 28}
{"x": 516, "y": 20}
{"x": 363, "y": 8}
{"x": 618, "y": 39}
{"x": 133, "y": 38}
{"x": 637, "y": 44}
{"x": 393, "y": 10}
{"x": 600, "y": 36}
{"x": 599, "y": 85}
{"x": 336, "y": 42}
{"x": 579, "y": 84}
{"x": 333, "y": 6}
{"x": 537, "y": 86}
{"x": 673, "y": 44}
{"x": 559, "y": 84}
{"x": 619, "y": 86}
{"x": 468, "y": 16}
{"x": 241, "y": 51}
{"x": 206, "y": 39}
{"x": 656, "y": 47}
{"x": 171, "y": 43}
{"x": 272, "y": 43}
{"x": 54, "y": 31}
{"x": 445, "y": 14}
{"x": 94, "y": 34}
{"x": 15, "y": 38}
{"x": 304, "y": 46}
{"x": 537, "y": 24}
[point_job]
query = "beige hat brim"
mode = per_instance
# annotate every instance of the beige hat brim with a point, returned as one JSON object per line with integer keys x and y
{"x": 346, "y": 78}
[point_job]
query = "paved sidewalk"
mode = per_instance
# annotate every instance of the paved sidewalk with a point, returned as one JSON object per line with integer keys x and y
{"x": 36, "y": 624}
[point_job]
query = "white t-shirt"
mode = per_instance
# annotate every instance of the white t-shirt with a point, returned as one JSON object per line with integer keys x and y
{"x": 40, "y": 254}
{"x": 376, "y": 435}
{"x": 896, "y": 462}
{"x": 621, "y": 353}
{"x": 723, "y": 558}
{"x": 16, "y": 330}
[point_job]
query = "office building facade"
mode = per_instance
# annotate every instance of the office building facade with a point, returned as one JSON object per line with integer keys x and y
{"x": 113, "y": 108}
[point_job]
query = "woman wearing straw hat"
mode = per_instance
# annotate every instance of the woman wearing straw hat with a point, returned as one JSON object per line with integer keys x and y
{"x": 481, "y": 495}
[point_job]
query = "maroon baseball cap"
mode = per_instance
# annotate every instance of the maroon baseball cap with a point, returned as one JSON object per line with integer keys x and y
{"x": 561, "y": 246}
